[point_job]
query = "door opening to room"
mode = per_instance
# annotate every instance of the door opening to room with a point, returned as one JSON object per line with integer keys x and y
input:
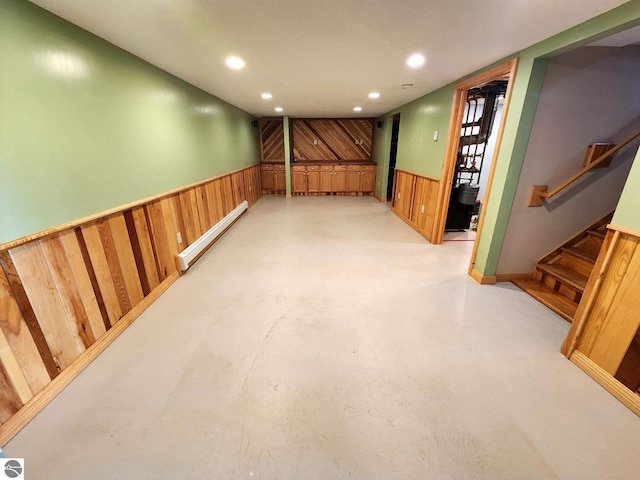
{"x": 465, "y": 131}
{"x": 392, "y": 155}
{"x": 482, "y": 114}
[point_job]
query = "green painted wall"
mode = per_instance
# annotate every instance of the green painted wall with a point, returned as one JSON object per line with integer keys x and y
{"x": 628, "y": 210}
{"x": 419, "y": 154}
{"x": 86, "y": 127}
{"x": 417, "y": 151}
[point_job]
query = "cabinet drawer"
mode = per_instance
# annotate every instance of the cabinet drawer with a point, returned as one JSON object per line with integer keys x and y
{"x": 354, "y": 168}
{"x": 369, "y": 168}
{"x": 297, "y": 168}
{"x": 266, "y": 167}
{"x": 339, "y": 168}
{"x": 278, "y": 168}
{"x": 313, "y": 168}
{"x": 326, "y": 168}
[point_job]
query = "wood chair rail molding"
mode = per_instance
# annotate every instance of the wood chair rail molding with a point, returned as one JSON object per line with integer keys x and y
{"x": 540, "y": 192}
{"x": 90, "y": 218}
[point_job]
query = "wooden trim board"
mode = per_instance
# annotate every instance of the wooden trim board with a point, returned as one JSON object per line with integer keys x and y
{"x": 48, "y": 393}
{"x": 97, "y": 216}
{"x": 629, "y": 231}
{"x": 613, "y": 386}
{"x": 508, "y": 277}
{"x": 482, "y": 279}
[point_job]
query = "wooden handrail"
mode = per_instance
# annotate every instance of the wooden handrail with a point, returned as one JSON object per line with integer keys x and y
{"x": 539, "y": 192}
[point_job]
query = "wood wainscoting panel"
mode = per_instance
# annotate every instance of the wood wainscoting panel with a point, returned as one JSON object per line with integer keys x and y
{"x": 20, "y": 297}
{"x": 10, "y": 402}
{"x": 227, "y": 195}
{"x": 403, "y": 194}
{"x": 139, "y": 232}
{"x": 614, "y": 320}
{"x": 217, "y": 200}
{"x": 332, "y": 139}
{"x": 414, "y": 201}
{"x": 164, "y": 231}
{"x": 252, "y": 185}
{"x": 17, "y": 339}
{"x": 237, "y": 187}
{"x": 60, "y": 331}
{"x": 106, "y": 283}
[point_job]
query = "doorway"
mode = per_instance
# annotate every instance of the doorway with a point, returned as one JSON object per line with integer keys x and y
{"x": 475, "y": 152}
{"x": 455, "y": 161}
{"x": 392, "y": 155}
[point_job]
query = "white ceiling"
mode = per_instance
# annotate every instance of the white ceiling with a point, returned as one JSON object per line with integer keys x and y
{"x": 320, "y": 58}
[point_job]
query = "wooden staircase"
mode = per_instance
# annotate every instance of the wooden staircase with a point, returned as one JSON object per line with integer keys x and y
{"x": 561, "y": 276}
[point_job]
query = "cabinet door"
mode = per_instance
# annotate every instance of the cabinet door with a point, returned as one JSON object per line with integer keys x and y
{"x": 354, "y": 172}
{"x": 279, "y": 180}
{"x": 298, "y": 179}
{"x": 326, "y": 178}
{"x": 313, "y": 178}
{"x": 266, "y": 172}
{"x": 368, "y": 180}
{"x": 340, "y": 178}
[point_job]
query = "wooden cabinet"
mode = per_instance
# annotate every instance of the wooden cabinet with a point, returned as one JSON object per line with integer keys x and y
{"x": 266, "y": 173}
{"x": 298, "y": 179}
{"x": 279, "y": 178}
{"x": 339, "y": 178}
{"x": 273, "y": 178}
{"x": 313, "y": 179}
{"x": 368, "y": 179}
{"x": 353, "y": 178}
{"x": 326, "y": 178}
{"x": 330, "y": 179}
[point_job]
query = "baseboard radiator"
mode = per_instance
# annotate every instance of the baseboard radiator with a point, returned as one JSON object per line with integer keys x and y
{"x": 193, "y": 251}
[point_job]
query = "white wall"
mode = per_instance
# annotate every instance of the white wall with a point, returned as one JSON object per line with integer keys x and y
{"x": 489, "y": 149}
{"x": 589, "y": 95}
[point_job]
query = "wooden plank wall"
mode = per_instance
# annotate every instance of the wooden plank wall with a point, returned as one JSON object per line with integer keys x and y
{"x": 272, "y": 140}
{"x": 414, "y": 201}
{"x": 332, "y": 139}
{"x": 607, "y": 330}
{"x": 64, "y": 291}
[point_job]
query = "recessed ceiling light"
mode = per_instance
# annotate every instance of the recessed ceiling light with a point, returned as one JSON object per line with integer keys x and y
{"x": 279, "y": 109}
{"x": 374, "y": 95}
{"x": 234, "y": 62}
{"x": 416, "y": 60}
{"x": 266, "y": 95}
{"x": 357, "y": 109}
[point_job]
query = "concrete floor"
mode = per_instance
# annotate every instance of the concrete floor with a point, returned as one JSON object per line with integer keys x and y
{"x": 322, "y": 338}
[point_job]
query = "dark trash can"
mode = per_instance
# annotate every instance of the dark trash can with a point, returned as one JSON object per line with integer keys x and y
{"x": 467, "y": 194}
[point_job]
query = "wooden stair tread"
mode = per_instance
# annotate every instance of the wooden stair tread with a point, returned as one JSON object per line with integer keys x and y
{"x": 581, "y": 253}
{"x": 565, "y": 274}
{"x": 596, "y": 233}
{"x": 549, "y": 297}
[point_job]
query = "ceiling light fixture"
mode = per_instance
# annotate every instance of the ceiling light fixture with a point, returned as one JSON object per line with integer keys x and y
{"x": 405, "y": 86}
{"x": 374, "y": 95}
{"x": 357, "y": 109}
{"x": 279, "y": 109}
{"x": 234, "y": 62}
{"x": 266, "y": 96}
{"x": 415, "y": 60}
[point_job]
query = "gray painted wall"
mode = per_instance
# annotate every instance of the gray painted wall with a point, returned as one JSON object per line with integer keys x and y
{"x": 588, "y": 95}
